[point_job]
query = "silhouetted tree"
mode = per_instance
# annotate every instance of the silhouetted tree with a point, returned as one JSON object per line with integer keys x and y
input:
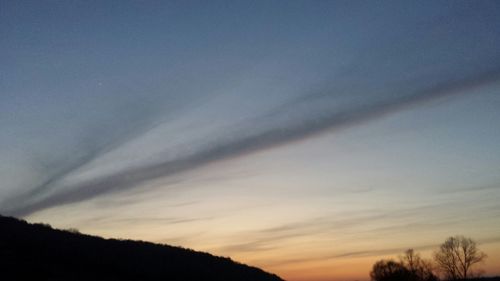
{"x": 411, "y": 267}
{"x": 420, "y": 269}
{"x": 456, "y": 257}
{"x": 73, "y": 230}
{"x": 389, "y": 270}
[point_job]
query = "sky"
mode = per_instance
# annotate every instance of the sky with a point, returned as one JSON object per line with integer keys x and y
{"x": 309, "y": 138}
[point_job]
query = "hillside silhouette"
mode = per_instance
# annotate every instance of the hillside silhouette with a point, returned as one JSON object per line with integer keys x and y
{"x": 38, "y": 252}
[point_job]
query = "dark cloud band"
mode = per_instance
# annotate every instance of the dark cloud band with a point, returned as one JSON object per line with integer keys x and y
{"x": 252, "y": 142}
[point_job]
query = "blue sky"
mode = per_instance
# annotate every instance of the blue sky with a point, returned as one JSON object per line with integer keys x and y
{"x": 283, "y": 114}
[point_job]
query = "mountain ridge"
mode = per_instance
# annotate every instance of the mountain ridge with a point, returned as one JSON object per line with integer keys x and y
{"x": 38, "y": 252}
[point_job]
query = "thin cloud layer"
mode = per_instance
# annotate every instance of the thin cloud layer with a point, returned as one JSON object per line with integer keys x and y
{"x": 251, "y": 142}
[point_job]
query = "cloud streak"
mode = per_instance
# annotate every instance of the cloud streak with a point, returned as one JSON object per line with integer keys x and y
{"x": 252, "y": 142}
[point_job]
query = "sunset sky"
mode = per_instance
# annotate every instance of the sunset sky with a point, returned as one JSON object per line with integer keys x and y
{"x": 308, "y": 138}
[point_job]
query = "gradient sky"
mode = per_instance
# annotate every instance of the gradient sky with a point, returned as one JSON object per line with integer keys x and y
{"x": 309, "y": 138}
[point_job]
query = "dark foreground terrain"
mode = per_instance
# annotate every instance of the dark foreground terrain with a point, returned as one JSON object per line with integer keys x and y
{"x": 38, "y": 252}
{"x": 497, "y": 278}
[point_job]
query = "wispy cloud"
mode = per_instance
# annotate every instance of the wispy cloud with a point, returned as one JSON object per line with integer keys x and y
{"x": 263, "y": 138}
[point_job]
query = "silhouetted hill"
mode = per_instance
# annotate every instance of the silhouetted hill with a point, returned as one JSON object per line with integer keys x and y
{"x": 38, "y": 252}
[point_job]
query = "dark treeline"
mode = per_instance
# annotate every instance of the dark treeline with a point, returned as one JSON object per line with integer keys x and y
{"x": 457, "y": 259}
{"x": 496, "y": 278}
{"x": 38, "y": 252}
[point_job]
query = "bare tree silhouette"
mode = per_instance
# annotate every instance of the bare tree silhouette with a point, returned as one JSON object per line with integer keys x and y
{"x": 419, "y": 268}
{"x": 411, "y": 267}
{"x": 456, "y": 257}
